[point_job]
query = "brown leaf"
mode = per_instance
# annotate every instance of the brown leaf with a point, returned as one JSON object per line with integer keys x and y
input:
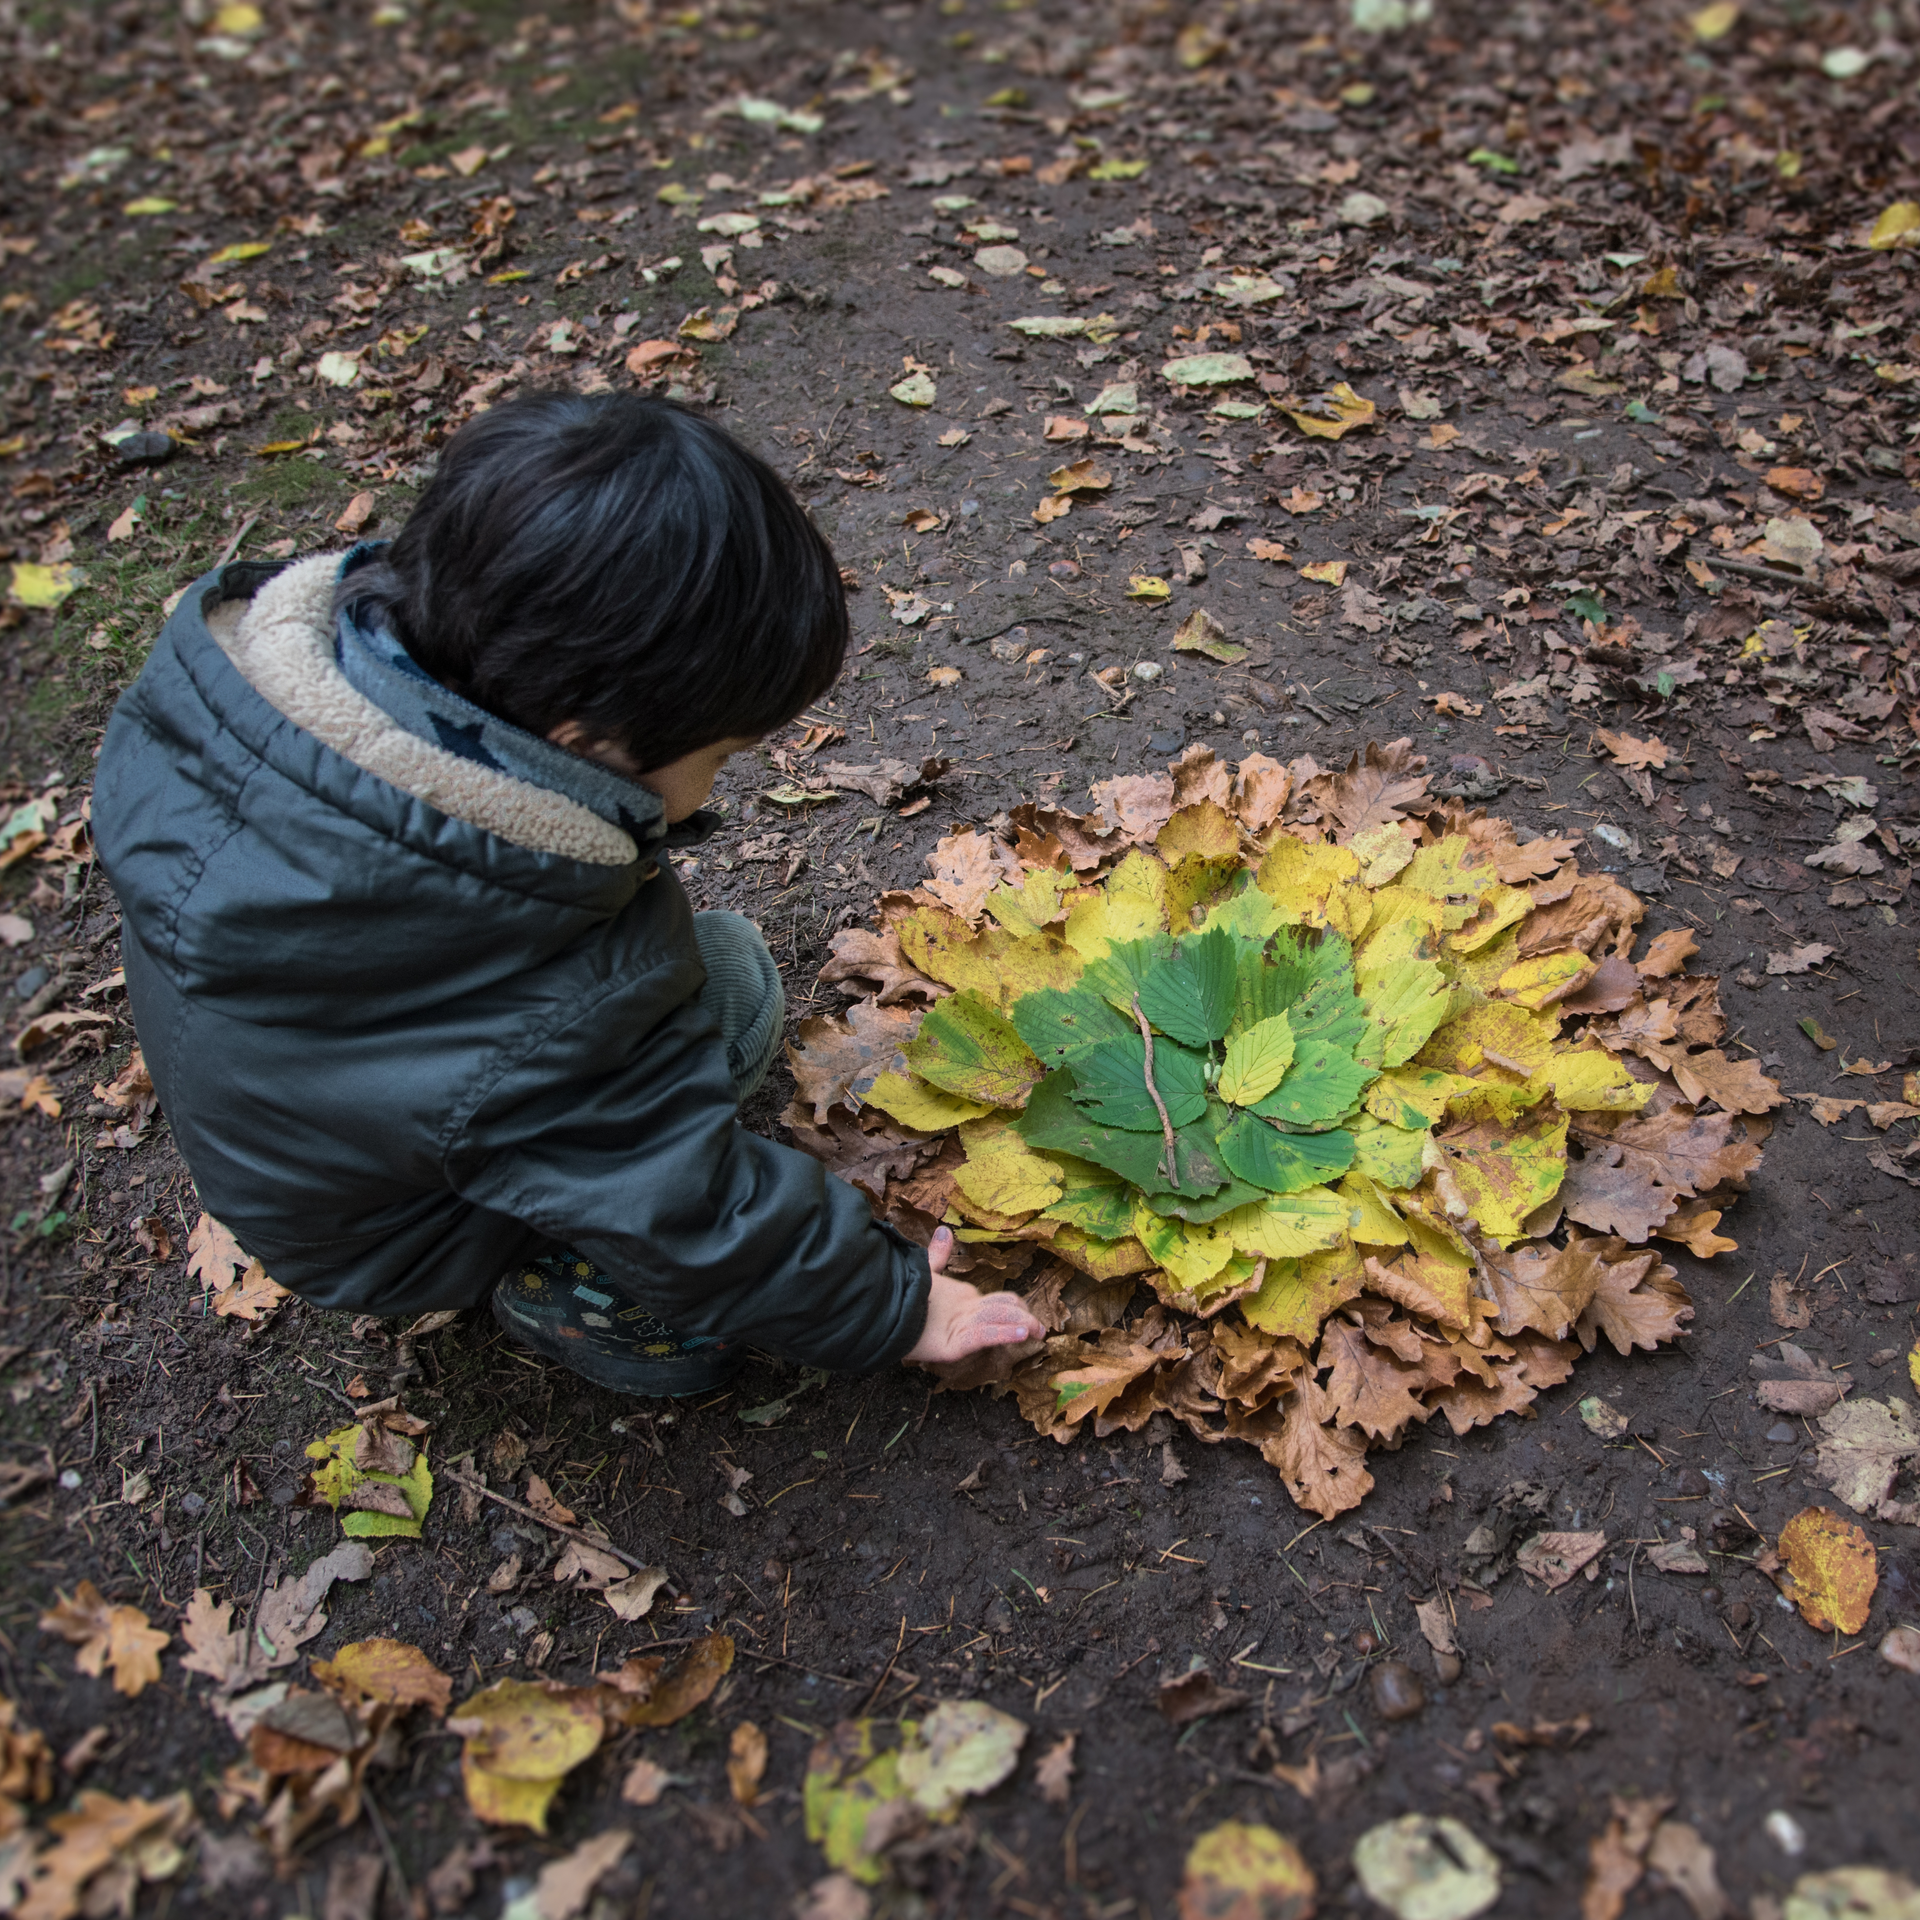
{"x": 1683, "y": 1151}
{"x": 839, "y": 1057}
{"x": 1535, "y": 1364}
{"x": 1789, "y": 1380}
{"x": 1554, "y": 1558}
{"x": 1544, "y": 1288}
{"x": 647, "y": 1693}
{"x": 965, "y": 867}
{"x": 1193, "y": 1696}
{"x": 645, "y": 1782}
{"x": 1139, "y": 804}
{"x": 888, "y": 781}
{"x": 1372, "y": 790}
{"x": 1787, "y": 1306}
{"x": 1626, "y": 751}
{"x": 214, "y": 1256}
{"x": 106, "y": 1635}
{"x": 1198, "y": 775}
{"x": 252, "y": 1297}
{"x": 1260, "y": 790}
{"x": 1370, "y": 1389}
{"x": 1685, "y": 1861}
{"x": 1668, "y": 953}
{"x": 1693, "y": 1227}
{"x": 1596, "y": 912}
{"x": 1612, "y": 987}
{"x": 1617, "y": 1857}
{"x": 1736, "y": 1085}
{"x": 1323, "y": 1466}
{"x": 866, "y": 1150}
{"x": 1054, "y": 1775}
{"x": 875, "y": 960}
{"x": 1604, "y": 1191}
{"x": 1639, "y": 1302}
{"x": 1534, "y": 860}
{"x": 746, "y": 1762}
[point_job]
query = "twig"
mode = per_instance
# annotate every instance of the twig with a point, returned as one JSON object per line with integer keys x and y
{"x": 1170, "y": 1165}
{"x": 233, "y": 546}
{"x": 540, "y": 1519}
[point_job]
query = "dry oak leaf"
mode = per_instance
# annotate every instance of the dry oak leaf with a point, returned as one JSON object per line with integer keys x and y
{"x": 122, "y": 1636}
{"x": 1532, "y": 860}
{"x": 1668, "y": 953}
{"x": 1383, "y": 785}
{"x": 965, "y": 867}
{"x": 1686, "y": 1151}
{"x": 1054, "y": 1775}
{"x": 1736, "y": 1085}
{"x": 1617, "y": 1857}
{"x": 1139, "y": 804}
{"x": 1371, "y": 1389}
{"x": 214, "y": 1256}
{"x": 838, "y": 1059}
{"x": 252, "y": 1297}
{"x": 107, "y": 1847}
{"x": 1790, "y": 1380}
{"x": 1626, "y": 751}
{"x": 1831, "y": 1570}
{"x": 1324, "y": 1466}
{"x": 861, "y": 955}
{"x": 1606, "y": 1192}
{"x": 566, "y": 1885}
{"x": 1638, "y": 1303}
{"x": 1866, "y": 1444}
{"x": 1555, "y": 1558}
{"x": 645, "y": 1782}
{"x": 1685, "y": 1861}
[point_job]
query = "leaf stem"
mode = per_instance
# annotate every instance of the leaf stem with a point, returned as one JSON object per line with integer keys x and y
{"x": 1169, "y": 1165}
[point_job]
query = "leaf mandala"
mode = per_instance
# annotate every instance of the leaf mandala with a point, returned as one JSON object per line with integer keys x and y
{"x": 1319, "y": 1082}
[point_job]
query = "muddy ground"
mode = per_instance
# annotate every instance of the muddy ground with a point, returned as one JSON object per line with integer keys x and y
{"x": 900, "y": 1545}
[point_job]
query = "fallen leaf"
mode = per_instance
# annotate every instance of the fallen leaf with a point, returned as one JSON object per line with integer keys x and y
{"x": 1200, "y": 632}
{"x": 1329, "y": 573}
{"x": 1262, "y": 549}
{"x": 1554, "y": 1558}
{"x": 1626, "y": 751}
{"x": 1193, "y": 1696}
{"x": 1865, "y": 1445}
{"x": 1799, "y": 959}
{"x": 645, "y": 1782}
{"x": 1054, "y": 1775}
{"x": 1617, "y": 1856}
{"x": 1423, "y": 1867}
{"x": 1237, "y": 1871}
{"x": 122, "y": 1637}
{"x": 564, "y": 1886}
{"x": 520, "y": 1739}
{"x": 1333, "y": 414}
{"x": 746, "y": 1762}
{"x": 1791, "y": 1381}
{"x": 389, "y": 1670}
{"x": 1831, "y": 1570}
{"x": 105, "y": 1849}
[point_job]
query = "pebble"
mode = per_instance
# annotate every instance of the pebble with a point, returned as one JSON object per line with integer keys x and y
{"x": 1365, "y": 1640}
{"x": 31, "y": 982}
{"x": 1780, "y": 1433}
{"x": 1447, "y": 1666}
{"x": 1147, "y": 672}
{"x": 145, "y": 449}
{"x": 1396, "y": 1691}
{"x": 998, "y": 1617}
{"x": 1064, "y": 569}
{"x": 1786, "y": 1833}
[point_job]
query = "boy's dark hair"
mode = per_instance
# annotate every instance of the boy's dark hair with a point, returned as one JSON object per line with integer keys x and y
{"x": 618, "y": 561}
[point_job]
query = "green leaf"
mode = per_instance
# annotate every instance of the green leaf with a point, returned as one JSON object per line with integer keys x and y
{"x": 1284, "y": 1162}
{"x": 1391, "y": 1155}
{"x": 1052, "y": 1122}
{"x": 1494, "y": 162}
{"x": 1297, "y": 959}
{"x": 416, "y": 1486}
{"x": 1111, "y": 1083}
{"x": 1321, "y": 1088}
{"x": 1330, "y": 1014}
{"x": 1247, "y": 913}
{"x": 1119, "y": 973}
{"x": 1406, "y": 1002}
{"x": 1057, "y": 1025}
{"x": 966, "y": 1045}
{"x": 1190, "y": 994}
{"x": 1105, "y": 1210}
{"x": 1256, "y": 1061}
{"x": 1587, "y": 605}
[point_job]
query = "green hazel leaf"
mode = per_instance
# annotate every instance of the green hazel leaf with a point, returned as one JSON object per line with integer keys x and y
{"x": 1205, "y": 1206}
{"x": 1320, "y": 1089}
{"x": 1301, "y": 956}
{"x": 1248, "y": 914}
{"x": 1053, "y": 1123}
{"x": 1111, "y": 1083}
{"x": 1284, "y": 1162}
{"x": 1407, "y": 1003}
{"x": 1119, "y": 972}
{"x": 1391, "y": 1155}
{"x": 1277, "y": 1227}
{"x": 1256, "y": 1061}
{"x": 1058, "y": 1025}
{"x": 966, "y": 1045}
{"x": 1190, "y": 994}
{"x": 1105, "y": 1211}
{"x": 1329, "y": 1013}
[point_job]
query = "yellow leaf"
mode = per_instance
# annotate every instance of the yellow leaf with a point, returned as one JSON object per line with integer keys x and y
{"x": 1329, "y": 573}
{"x": 1717, "y": 21}
{"x": 1372, "y": 1219}
{"x": 1413, "y": 1096}
{"x": 1032, "y": 906}
{"x": 1239, "y": 1872}
{"x": 1491, "y": 1030}
{"x": 1131, "y": 905}
{"x": 1102, "y": 1259}
{"x": 1002, "y": 1173}
{"x": 389, "y": 1670}
{"x": 1288, "y": 1226}
{"x": 38, "y": 586}
{"x": 238, "y": 18}
{"x": 1147, "y": 586}
{"x": 1192, "y": 1254}
{"x": 1503, "y": 1174}
{"x": 149, "y": 204}
{"x": 521, "y": 1739}
{"x": 1547, "y": 977}
{"x": 1589, "y": 1079}
{"x": 1897, "y": 223}
{"x": 1297, "y": 1295}
{"x": 1298, "y": 877}
{"x": 915, "y": 1103}
{"x": 1256, "y": 1061}
{"x": 1502, "y": 908}
{"x": 1330, "y": 415}
{"x": 1832, "y": 1570}
{"x": 240, "y": 250}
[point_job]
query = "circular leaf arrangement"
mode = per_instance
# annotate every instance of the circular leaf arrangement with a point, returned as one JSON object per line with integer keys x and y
{"x": 1334, "y": 1105}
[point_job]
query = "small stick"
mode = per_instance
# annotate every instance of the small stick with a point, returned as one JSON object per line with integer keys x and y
{"x": 1170, "y": 1164}
{"x": 572, "y": 1533}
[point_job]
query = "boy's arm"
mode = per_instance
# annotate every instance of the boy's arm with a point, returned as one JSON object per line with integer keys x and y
{"x": 625, "y": 1144}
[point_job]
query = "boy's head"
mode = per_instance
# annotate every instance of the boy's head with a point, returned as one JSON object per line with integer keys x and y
{"x": 616, "y": 574}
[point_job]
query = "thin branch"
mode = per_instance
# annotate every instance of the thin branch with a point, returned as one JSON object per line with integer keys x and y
{"x": 1169, "y": 1164}
{"x": 573, "y": 1533}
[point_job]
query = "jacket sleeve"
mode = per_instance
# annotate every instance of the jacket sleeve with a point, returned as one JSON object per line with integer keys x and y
{"x": 619, "y": 1136}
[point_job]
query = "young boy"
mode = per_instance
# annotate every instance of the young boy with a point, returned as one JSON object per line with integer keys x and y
{"x": 428, "y": 1012}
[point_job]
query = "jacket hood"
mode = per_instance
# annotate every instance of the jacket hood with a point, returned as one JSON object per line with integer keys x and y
{"x": 355, "y": 865}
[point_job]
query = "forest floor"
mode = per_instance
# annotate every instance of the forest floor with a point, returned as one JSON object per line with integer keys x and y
{"x": 1624, "y": 540}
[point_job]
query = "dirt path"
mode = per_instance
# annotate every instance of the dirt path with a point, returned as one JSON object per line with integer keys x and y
{"x": 1640, "y": 457}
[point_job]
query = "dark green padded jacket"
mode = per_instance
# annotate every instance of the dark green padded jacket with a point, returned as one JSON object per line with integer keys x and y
{"x": 412, "y": 1019}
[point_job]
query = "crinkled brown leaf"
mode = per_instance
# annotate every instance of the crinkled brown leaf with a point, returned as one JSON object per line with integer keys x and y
{"x": 840, "y": 1056}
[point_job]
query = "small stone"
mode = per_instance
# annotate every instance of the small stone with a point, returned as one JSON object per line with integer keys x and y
{"x": 1691, "y": 1481}
{"x": 1365, "y": 1641}
{"x": 193, "y": 1503}
{"x": 1147, "y": 672}
{"x": 145, "y": 449}
{"x": 1396, "y": 1691}
{"x": 1448, "y": 1667}
{"x": 31, "y": 982}
{"x": 1786, "y": 1833}
{"x": 1064, "y": 569}
{"x": 998, "y": 1617}
{"x": 1739, "y": 1616}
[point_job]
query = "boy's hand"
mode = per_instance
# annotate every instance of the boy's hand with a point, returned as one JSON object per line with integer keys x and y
{"x": 962, "y": 1320}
